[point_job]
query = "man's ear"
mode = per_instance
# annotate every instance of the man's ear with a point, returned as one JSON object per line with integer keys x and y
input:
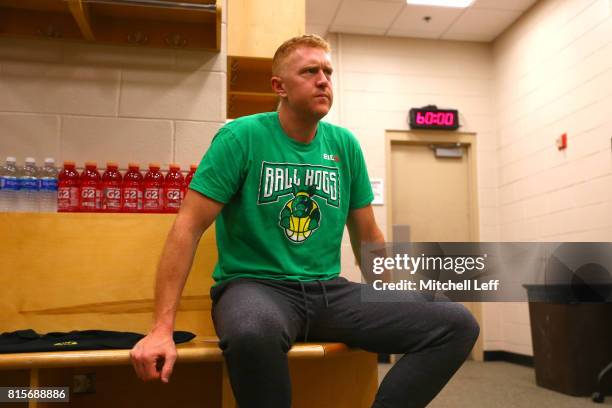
{"x": 278, "y": 86}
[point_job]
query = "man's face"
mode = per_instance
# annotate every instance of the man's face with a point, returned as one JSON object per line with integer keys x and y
{"x": 306, "y": 79}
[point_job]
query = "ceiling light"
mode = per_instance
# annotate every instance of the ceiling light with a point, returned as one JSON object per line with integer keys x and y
{"x": 442, "y": 3}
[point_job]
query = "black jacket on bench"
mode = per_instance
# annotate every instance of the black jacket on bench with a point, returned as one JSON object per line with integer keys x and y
{"x": 25, "y": 341}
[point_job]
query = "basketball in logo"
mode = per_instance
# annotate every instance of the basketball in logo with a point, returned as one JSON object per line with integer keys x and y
{"x": 300, "y": 216}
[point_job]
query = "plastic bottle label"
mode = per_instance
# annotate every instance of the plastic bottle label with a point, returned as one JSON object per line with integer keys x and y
{"x": 153, "y": 199}
{"x": 112, "y": 193}
{"x": 48, "y": 184}
{"x": 29, "y": 184}
{"x": 10, "y": 183}
{"x": 174, "y": 196}
{"x": 132, "y": 198}
{"x": 68, "y": 198}
{"x": 90, "y": 198}
{"x": 111, "y": 198}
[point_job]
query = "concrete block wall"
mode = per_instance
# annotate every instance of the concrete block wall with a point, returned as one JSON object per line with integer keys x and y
{"x": 553, "y": 75}
{"x": 78, "y": 101}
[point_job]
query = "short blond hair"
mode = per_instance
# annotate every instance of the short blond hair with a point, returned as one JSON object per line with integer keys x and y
{"x": 286, "y": 48}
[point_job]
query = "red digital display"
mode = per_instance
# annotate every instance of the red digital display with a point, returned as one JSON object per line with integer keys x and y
{"x": 431, "y": 117}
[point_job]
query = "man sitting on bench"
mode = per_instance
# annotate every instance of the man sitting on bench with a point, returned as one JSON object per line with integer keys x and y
{"x": 284, "y": 185}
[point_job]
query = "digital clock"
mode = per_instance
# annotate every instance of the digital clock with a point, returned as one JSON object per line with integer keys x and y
{"x": 430, "y": 117}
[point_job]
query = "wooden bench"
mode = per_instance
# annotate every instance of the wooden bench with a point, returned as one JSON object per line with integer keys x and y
{"x": 62, "y": 272}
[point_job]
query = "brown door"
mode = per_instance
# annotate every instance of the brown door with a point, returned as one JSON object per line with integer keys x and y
{"x": 432, "y": 199}
{"x": 430, "y": 194}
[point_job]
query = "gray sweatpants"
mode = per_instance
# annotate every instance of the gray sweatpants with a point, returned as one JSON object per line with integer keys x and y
{"x": 258, "y": 320}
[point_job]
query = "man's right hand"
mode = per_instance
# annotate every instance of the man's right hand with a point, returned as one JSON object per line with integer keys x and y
{"x": 153, "y": 357}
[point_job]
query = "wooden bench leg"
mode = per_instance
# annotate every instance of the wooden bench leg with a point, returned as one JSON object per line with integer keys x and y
{"x": 227, "y": 395}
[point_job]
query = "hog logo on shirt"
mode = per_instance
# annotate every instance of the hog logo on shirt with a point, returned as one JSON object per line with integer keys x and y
{"x": 300, "y": 215}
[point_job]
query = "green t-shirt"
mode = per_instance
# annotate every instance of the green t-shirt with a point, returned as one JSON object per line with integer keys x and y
{"x": 286, "y": 203}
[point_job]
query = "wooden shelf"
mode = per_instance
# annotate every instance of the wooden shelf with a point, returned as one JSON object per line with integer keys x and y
{"x": 249, "y": 103}
{"x": 118, "y": 24}
{"x": 35, "y": 18}
{"x": 249, "y": 88}
{"x": 255, "y": 28}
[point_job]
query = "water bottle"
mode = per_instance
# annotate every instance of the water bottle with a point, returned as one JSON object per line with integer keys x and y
{"x": 68, "y": 188}
{"x": 131, "y": 190}
{"x": 192, "y": 170}
{"x": 174, "y": 189}
{"x": 47, "y": 186}
{"x": 153, "y": 201}
{"x": 111, "y": 188}
{"x": 91, "y": 188}
{"x": 8, "y": 186}
{"x": 27, "y": 196}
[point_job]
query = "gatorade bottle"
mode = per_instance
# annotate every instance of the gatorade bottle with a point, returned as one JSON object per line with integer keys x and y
{"x": 174, "y": 189}
{"x": 90, "y": 188}
{"x": 153, "y": 190}
{"x": 132, "y": 189}
{"x": 111, "y": 188}
{"x": 68, "y": 188}
{"x": 192, "y": 170}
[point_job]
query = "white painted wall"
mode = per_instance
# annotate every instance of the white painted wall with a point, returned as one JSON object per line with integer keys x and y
{"x": 78, "y": 101}
{"x": 553, "y": 74}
